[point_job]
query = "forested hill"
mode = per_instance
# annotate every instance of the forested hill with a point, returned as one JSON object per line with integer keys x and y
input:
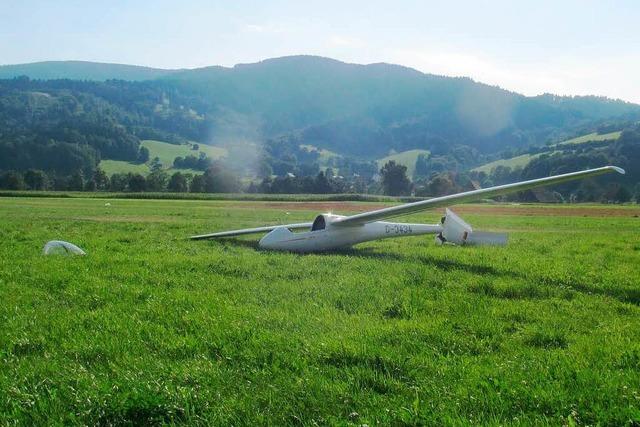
{"x": 101, "y": 111}
{"x": 81, "y": 70}
{"x": 369, "y": 109}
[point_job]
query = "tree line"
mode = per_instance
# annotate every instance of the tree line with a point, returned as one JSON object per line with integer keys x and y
{"x": 53, "y": 135}
{"x": 217, "y": 178}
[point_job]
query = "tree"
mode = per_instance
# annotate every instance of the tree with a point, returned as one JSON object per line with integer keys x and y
{"x": 35, "y": 179}
{"x": 178, "y": 183}
{"x": 157, "y": 180}
{"x": 394, "y": 179}
{"x": 192, "y": 162}
{"x": 60, "y": 182}
{"x": 441, "y": 185}
{"x": 76, "y": 182}
{"x": 329, "y": 173}
{"x": 252, "y": 188}
{"x": 118, "y": 182}
{"x": 155, "y": 165}
{"x": 622, "y": 195}
{"x": 143, "y": 154}
{"x": 263, "y": 169}
{"x": 90, "y": 185}
{"x": 101, "y": 179}
{"x": 197, "y": 184}
{"x": 265, "y": 185}
{"x": 219, "y": 179}
{"x": 422, "y": 166}
{"x": 501, "y": 175}
{"x": 136, "y": 182}
{"x": 11, "y": 181}
{"x": 321, "y": 184}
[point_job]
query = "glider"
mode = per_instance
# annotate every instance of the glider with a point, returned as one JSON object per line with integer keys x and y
{"x": 329, "y": 231}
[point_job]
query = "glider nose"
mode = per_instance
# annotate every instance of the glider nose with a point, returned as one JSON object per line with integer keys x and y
{"x": 275, "y": 238}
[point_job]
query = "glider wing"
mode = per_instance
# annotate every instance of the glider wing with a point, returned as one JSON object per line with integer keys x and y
{"x": 252, "y": 231}
{"x": 469, "y": 196}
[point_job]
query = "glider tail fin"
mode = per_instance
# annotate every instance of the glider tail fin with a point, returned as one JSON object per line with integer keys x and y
{"x": 487, "y": 238}
{"x": 455, "y": 230}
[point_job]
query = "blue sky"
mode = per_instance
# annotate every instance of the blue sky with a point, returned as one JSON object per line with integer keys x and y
{"x": 532, "y": 47}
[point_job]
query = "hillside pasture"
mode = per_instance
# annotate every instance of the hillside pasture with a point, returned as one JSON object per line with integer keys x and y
{"x": 324, "y": 157}
{"x": 524, "y": 159}
{"x": 119, "y": 166}
{"x": 406, "y": 158}
{"x": 592, "y": 137}
{"x": 166, "y": 153}
{"x": 514, "y": 162}
{"x": 152, "y": 328}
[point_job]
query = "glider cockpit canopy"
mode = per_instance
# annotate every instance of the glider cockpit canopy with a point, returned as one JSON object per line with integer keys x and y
{"x": 319, "y": 223}
{"x": 323, "y": 220}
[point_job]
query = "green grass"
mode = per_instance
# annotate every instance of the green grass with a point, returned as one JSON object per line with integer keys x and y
{"x": 340, "y": 197}
{"x": 119, "y": 166}
{"x": 612, "y": 136}
{"x": 151, "y": 328}
{"x": 166, "y": 153}
{"x": 523, "y": 160}
{"x": 514, "y": 162}
{"x": 325, "y": 155}
{"x": 406, "y": 158}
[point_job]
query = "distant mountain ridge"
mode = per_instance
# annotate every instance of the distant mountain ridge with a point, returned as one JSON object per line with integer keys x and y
{"x": 369, "y": 109}
{"x": 360, "y": 111}
{"x": 82, "y": 70}
{"x": 101, "y": 71}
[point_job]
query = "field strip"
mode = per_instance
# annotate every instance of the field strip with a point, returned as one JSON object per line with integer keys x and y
{"x": 545, "y": 210}
{"x": 125, "y": 218}
{"x": 522, "y": 210}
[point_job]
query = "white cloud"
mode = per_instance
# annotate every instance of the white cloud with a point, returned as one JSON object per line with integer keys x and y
{"x": 613, "y": 76}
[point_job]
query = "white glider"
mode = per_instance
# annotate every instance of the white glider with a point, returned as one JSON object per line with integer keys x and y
{"x": 329, "y": 231}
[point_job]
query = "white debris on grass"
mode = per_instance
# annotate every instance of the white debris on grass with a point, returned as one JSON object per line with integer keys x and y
{"x": 60, "y": 247}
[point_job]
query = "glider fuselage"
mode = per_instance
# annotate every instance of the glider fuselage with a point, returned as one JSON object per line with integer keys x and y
{"x": 335, "y": 237}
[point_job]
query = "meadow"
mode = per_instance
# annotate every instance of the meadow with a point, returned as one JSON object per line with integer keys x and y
{"x": 151, "y": 328}
{"x": 405, "y": 158}
{"x": 524, "y": 159}
{"x": 593, "y": 137}
{"x": 166, "y": 153}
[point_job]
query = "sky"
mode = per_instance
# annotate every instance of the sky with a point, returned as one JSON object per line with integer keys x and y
{"x": 567, "y": 47}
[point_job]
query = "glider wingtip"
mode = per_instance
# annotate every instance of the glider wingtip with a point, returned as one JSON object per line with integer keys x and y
{"x": 617, "y": 169}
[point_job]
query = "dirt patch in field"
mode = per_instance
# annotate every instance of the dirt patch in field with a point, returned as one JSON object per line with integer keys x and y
{"x": 310, "y": 206}
{"x": 521, "y": 210}
{"x": 328, "y": 206}
{"x": 529, "y": 210}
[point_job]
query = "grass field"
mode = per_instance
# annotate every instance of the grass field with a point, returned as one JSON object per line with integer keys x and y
{"x": 325, "y": 155}
{"x": 523, "y": 160}
{"x": 592, "y": 137}
{"x": 514, "y": 162}
{"x": 152, "y": 328}
{"x": 405, "y": 158}
{"x": 120, "y": 166}
{"x": 166, "y": 153}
